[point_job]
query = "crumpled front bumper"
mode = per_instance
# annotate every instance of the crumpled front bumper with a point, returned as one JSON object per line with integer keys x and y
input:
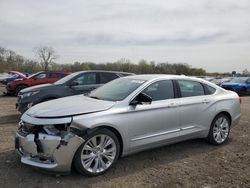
{"x": 54, "y": 153}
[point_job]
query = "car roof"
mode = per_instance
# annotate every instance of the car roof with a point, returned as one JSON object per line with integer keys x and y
{"x": 156, "y": 76}
{"x": 117, "y": 72}
{"x": 56, "y": 72}
{"x": 149, "y": 77}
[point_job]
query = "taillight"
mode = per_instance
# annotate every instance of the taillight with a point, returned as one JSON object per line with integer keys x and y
{"x": 240, "y": 100}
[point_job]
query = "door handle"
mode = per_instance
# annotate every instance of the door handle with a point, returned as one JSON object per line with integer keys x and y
{"x": 93, "y": 88}
{"x": 173, "y": 105}
{"x": 206, "y": 101}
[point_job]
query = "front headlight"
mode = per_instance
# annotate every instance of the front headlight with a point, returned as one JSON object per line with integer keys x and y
{"x": 51, "y": 130}
{"x": 56, "y": 129}
{"x": 28, "y": 94}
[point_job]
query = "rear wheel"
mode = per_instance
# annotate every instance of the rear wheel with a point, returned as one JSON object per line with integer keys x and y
{"x": 19, "y": 88}
{"x": 243, "y": 91}
{"x": 219, "y": 130}
{"x": 98, "y": 153}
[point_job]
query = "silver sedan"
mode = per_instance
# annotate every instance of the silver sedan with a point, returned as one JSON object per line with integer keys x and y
{"x": 125, "y": 116}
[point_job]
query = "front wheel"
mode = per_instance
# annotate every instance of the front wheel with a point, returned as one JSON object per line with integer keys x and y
{"x": 219, "y": 130}
{"x": 19, "y": 88}
{"x": 98, "y": 153}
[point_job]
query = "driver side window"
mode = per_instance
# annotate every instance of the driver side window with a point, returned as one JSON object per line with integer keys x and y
{"x": 86, "y": 79}
{"x": 160, "y": 90}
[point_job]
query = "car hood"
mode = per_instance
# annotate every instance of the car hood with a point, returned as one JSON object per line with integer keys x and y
{"x": 69, "y": 106}
{"x": 36, "y": 88}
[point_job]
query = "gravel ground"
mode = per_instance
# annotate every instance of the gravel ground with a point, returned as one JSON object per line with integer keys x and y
{"x": 188, "y": 164}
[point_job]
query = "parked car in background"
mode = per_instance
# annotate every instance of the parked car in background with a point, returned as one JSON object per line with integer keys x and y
{"x": 125, "y": 116}
{"x": 3, "y": 76}
{"x": 12, "y": 76}
{"x": 76, "y": 83}
{"x": 13, "y": 88}
{"x": 240, "y": 85}
{"x": 220, "y": 80}
{"x": 208, "y": 78}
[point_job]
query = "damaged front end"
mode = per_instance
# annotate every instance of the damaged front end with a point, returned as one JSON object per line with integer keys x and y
{"x": 49, "y": 147}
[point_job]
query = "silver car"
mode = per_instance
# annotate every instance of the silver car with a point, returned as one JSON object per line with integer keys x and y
{"x": 125, "y": 116}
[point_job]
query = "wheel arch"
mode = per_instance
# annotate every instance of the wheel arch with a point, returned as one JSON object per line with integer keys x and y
{"x": 19, "y": 85}
{"x": 117, "y": 134}
{"x": 226, "y": 114}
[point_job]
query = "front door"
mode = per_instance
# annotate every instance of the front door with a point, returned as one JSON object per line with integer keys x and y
{"x": 150, "y": 124}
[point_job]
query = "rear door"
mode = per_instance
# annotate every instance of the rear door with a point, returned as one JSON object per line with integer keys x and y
{"x": 196, "y": 109}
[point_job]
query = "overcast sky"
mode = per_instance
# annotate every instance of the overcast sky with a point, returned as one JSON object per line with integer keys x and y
{"x": 211, "y": 34}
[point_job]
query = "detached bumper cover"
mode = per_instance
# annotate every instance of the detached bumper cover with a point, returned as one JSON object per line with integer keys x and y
{"x": 49, "y": 152}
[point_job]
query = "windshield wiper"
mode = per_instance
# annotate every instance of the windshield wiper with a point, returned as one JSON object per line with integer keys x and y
{"x": 93, "y": 97}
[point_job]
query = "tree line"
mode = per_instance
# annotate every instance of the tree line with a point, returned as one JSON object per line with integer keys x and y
{"x": 9, "y": 60}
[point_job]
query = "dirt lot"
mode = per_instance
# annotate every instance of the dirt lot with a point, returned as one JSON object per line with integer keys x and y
{"x": 187, "y": 164}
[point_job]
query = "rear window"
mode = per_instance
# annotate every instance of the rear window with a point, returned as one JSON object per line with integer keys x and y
{"x": 190, "y": 88}
{"x": 209, "y": 90}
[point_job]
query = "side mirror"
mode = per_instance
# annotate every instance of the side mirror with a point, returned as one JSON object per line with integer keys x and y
{"x": 142, "y": 98}
{"x": 71, "y": 84}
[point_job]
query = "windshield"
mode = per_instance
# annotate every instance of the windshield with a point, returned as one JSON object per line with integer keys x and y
{"x": 66, "y": 78}
{"x": 239, "y": 80}
{"x": 117, "y": 90}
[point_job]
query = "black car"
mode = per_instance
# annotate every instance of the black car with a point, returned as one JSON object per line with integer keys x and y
{"x": 76, "y": 83}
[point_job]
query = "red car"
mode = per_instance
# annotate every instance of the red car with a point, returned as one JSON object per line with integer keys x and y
{"x": 14, "y": 87}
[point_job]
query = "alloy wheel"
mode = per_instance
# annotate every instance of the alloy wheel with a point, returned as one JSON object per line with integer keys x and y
{"x": 221, "y": 130}
{"x": 98, "y": 153}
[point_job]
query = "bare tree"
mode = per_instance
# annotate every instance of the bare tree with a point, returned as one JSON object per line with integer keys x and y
{"x": 245, "y": 72}
{"x": 46, "y": 55}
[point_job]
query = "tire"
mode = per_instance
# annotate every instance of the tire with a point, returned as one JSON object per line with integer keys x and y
{"x": 219, "y": 130}
{"x": 19, "y": 88}
{"x": 243, "y": 92}
{"x": 94, "y": 161}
